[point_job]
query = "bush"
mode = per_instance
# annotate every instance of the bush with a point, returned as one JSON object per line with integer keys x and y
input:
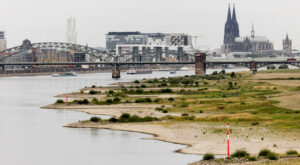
{"x": 291, "y": 152}
{"x": 241, "y": 153}
{"x": 113, "y": 120}
{"x": 95, "y": 119}
{"x": 184, "y": 115}
{"x": 284, "y": 66}
{"x": 171, "y": 99}
{"x": 143, "y": 86}
{"x": 60, "y": 101}
{"x": 165, "y": 111}
{"x": 85, "y": 101}
{"x": 166, "y": 90}
{"x": 264, "y": 152}
{"x": 94, "y": 86}
{"x": 137, "y": 81}
{"x": 111, "y": 92}
{"x": 148, "y": 100}
{"x": 92, "y": 92}
{"x": 252, "y": 158}
{"x": 272, "y": 156}
{"x": 208, "y": 156}
{"x": 232, "y": 75}
{"x": 125, "y": 116}
{"x": 95, "y": 100}
{"x": 116, "y": 99}
{"x": 201, "y": 111}
{"x": 109, "y": 101}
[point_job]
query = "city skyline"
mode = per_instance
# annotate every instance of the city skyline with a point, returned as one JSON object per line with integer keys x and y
{"x": 95, "y": 19}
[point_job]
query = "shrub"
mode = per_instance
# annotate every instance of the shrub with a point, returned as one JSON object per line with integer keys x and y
{"x": 208, "y": 156}
{"x": 143, "y": 86}
{"x": 255, "y": 123}
{"x": 95, "y": 100}
{"x": 157, "y": 100}
{"x": 148, "y": 100}
{"x": 166, "y": 90}
{"x": 241, "y": 153}
{"x": 94, "y": 86}
{"x": 92, "y": 92}
{"x": 139, "y": 91}
{"x": 171, "y": 99}
{"x": 116, "y": 99}
{"x": 184, "y": 114}
{"x": 291, "y": 152}
{"x": 109, "y": 101}
{"x": 252, "y": 158}
{"x": 165, "y": 111}
{"x": 201, "y": 111}
{"x": 60, "y": 101}
{"x": 111, "y": 92}
{"x": 272, "y": 156}
{"x": 232, "y": 75}
{"x": 113, "y": 120}
{"x": 95, "y": 119}
{"x": 264, "y": 152}
{"x": 85, "y": 101}
{"x": 215, "y": 73}
{"x": 137, "y": 81}
{"x": 125, "y": 116}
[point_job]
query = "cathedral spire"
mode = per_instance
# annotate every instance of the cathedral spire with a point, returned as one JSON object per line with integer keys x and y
{"x": 233, "y": 14}
{"x": 252, "y": 31}
{"x": 229, "y": 14}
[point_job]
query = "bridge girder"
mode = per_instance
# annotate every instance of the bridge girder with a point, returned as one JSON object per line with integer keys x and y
{"x": 95, "y": 53}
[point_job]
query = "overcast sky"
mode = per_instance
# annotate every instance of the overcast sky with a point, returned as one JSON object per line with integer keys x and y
{"x": 40, "y": 20}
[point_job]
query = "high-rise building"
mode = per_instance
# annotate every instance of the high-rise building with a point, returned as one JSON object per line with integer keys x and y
{"x": 2, "y": 41}
{"x": 71, "y": 31}
{"x": 287, "y": 46}
{"x": 234, "y": 43}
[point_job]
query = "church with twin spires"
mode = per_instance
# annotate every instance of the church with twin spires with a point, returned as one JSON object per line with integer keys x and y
{"x": 234, "y": 43}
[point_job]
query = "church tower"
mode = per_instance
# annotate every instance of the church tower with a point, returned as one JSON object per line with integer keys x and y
{"x": 228, "y": 37}
{"x": 235, "y": 25}
{"x": 231, "y": 31}
{"x": 287, "y": 46}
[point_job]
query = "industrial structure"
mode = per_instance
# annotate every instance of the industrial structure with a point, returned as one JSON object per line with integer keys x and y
{"x": 71, "y": 31}
{"x": 150, "y": 46}
{"x": 234, "y": 43}
{"x": 2, "y": 41}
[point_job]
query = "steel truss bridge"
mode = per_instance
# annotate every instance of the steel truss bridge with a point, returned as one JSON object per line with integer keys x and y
{"x": 93, "y": 54}
{"x": 209, "y": 63}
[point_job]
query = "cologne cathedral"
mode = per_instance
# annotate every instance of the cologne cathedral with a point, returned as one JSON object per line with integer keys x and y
{"x": 234, "y": 43}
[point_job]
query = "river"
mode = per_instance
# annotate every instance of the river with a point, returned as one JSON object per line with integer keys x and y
{"x": 30, "y": 135}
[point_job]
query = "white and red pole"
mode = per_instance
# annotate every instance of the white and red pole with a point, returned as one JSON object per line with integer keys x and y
{"x": 67, "y": 95}
{"x": 228, "y": 140}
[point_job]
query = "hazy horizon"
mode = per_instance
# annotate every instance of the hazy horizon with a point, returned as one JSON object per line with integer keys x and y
{"x": 41, "y": 21}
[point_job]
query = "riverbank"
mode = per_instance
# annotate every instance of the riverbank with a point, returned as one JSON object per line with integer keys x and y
{"x": 194, "y": 111}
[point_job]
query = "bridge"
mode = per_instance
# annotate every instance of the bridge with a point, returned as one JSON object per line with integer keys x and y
{"x": 201, "y": 63}
{"x": 103, "y": 58}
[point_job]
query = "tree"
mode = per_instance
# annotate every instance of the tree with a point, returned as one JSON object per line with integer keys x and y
{"x": 232, "y": 75}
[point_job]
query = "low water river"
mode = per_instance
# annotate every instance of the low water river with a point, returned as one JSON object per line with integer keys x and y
{"x": 30, "y": 135}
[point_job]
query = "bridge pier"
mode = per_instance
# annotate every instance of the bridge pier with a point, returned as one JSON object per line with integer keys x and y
{"x": 253, "y": 67}
{"x": 200, "y": 66}
{"x": 116, "y": 72}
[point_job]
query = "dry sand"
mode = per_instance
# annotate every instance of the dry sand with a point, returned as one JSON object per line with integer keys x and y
{"x": 115, "y": 109}
{"x": 202, "y": 138}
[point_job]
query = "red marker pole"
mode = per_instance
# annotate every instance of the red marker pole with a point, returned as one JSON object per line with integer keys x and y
{"x": 67, "y": 95}
{"x": 228, "y": 140}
